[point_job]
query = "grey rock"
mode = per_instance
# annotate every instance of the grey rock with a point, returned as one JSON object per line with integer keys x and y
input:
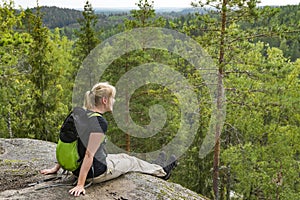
{"x": 22, "y": 159}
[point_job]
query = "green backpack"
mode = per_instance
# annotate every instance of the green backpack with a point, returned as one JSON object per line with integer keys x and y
{"x": 67, "y": 147}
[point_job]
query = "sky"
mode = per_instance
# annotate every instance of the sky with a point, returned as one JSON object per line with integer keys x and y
{"x": 127, "y": 3}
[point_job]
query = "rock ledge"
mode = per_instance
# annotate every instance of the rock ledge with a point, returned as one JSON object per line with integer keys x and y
{"x": 21, "y": 160}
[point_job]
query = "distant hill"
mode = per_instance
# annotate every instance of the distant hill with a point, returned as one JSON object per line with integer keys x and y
{"x": 127, "y": 10}
{"x": 65, "y": 17}
{"x": 59, "y": 17}
{"x": 162, "y": 10}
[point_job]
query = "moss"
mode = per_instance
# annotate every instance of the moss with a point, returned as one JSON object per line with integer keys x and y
{"x": 162, "y": 193}
{"x": 17, "y": 171}
{"x": 35, "y": 159}
{"x": 11, "y": 161}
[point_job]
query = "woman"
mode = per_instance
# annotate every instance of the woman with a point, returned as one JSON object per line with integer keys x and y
{"x": 95, "y": 162}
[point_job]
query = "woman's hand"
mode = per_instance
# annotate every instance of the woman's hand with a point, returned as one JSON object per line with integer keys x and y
{"x": 93, "y": 144}
{"x": 52, "y": 170}
{"x": 76, "y": 191}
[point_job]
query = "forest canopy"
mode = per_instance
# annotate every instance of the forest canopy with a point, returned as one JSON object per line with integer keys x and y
{"x": 256, "y": 50}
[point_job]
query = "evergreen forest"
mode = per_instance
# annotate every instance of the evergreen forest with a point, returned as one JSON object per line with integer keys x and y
{"x": 256, "y": 51}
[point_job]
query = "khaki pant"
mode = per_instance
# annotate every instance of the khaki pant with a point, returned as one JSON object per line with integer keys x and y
{"x": 118, "y": 164}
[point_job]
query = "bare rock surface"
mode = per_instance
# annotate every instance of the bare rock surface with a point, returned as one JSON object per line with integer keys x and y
{"x": 22, "y": 159}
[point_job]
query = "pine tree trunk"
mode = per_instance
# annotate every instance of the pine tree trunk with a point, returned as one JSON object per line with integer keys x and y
{"x": 127, "y": 116}
{"x": 219, "y": 104}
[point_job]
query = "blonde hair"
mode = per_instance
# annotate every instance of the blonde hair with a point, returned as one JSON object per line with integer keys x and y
{"x": 93, "y": 97}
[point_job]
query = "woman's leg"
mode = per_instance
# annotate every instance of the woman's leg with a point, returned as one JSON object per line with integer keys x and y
{"x": 118, "y": 164}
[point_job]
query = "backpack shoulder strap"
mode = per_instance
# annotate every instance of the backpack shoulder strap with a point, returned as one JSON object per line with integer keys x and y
{"x": 94, "y": 114}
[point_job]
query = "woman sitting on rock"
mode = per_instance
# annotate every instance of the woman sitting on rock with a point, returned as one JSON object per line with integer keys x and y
{"x": 96, "y": 164}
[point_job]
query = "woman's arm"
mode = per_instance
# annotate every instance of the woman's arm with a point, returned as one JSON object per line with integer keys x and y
{"x": 52, "y": 170}
{"x": 95, "y": 140}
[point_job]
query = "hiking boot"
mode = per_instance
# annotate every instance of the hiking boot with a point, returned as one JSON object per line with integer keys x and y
{"x": 172, "y": 163}
{"x": 161, "y": 159}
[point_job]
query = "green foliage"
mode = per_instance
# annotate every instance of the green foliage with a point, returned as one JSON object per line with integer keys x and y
{"x": 14, "y": 49}
{"x": 41, "y": 78}
{"x": 282, "y": 29}
{"x": 260, "y": 140}
{"x": 263, "y": 125}
{"x": 256, "y": 92}
{"x": 145, "y": 16}
{"x": 87, "y": 36}
{"x": 50, "y": 60}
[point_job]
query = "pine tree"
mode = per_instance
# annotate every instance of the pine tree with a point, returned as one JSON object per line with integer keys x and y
{"x": 14, "y": 48}
{"x": 87, "y": 35}
{"x": 220, "y": 34}
{"x": 43, "y": 76}
{"x": 143, "y": 17}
